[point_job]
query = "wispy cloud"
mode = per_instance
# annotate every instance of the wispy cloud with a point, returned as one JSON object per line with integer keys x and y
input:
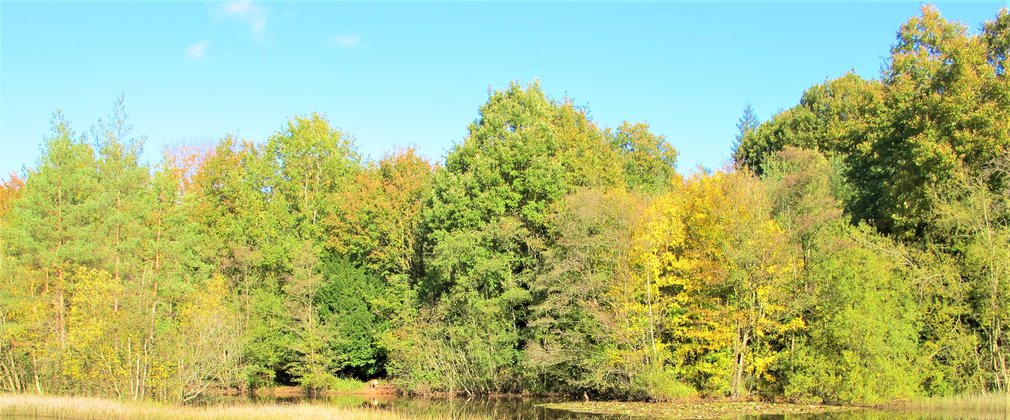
{"x": 251, "y": 13}
{"x": 346, "y": 41}
{"x": 196, "y": 51}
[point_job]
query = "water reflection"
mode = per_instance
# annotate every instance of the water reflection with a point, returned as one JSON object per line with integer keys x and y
{"x": 429, "y": 407}
{"x": 491, "y": 408}
{"x": 529, "y": 408}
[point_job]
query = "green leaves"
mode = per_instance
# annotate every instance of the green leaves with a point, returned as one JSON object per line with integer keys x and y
{"x": 345, "y": 303}
{"x": 832, "y": 118}
{"x": 489, "y": 228}
{"x": 649, "y": 161}
{"x": 572, "y": 325}
{"x": 942, "y": 104}
{"x": 309, "y": 161}
{"x": 863, "y": 329}
{"x": 855, "y": 254}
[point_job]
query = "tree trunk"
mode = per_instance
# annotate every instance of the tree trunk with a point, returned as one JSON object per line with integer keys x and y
{"x": 35, "y": 373}
{"x": 61, "y": 328}
{"x": 743, "y": 337}
{"x": 652, "y": 322}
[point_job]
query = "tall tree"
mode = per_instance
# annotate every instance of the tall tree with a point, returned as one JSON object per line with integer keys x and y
{"x": 121, "y": 194}
{"x": 313, "y": 354}
{"x": 747, "y": 123}
{"x": 50, "y": 227}
{"x": 713, "y": 264}
{"x": 486, "y": 219}
{"x": 979, "y": 222}
{"x": 249, "y": 233}
{"x": 649, "y": 161}
{"x": 833, "y": 118}
{"x": 376, "y": 225}
{"x": 945, "y": 107}
{"x": 311, "y": 161}
{"x": 573, "y": 324}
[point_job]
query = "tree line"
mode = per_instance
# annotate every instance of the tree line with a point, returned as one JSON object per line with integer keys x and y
{"x": 858, "y": 250}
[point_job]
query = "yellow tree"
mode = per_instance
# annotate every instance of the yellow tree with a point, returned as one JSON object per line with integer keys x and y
{"x": 711, "y": 259}
{"x": 645, "y": 312}
{"x": 93, "y": 357}
{"x": 209, "y": 344}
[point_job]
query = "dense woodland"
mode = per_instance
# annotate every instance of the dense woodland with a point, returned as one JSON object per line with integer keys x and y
{"x": 857, "y": 251}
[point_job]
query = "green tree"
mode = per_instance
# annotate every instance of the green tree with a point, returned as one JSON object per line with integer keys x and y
{"x": 944, "y": 106}
{"x": 345, "y": 303}
{"x": 833, "y": 118}
{"x": 649, "y": 161}
{"x": 121, "y": 193}
{"x": 979, "y": 222}
{"x": 486, "y": 220}
{"x": 248, "y": 232}
{"x": 313, "y": 355}
{"x": 862, "y": 324}
{"x": 747, "y": 123}
{"x": 573, "y": 322}
{"x": 996, "y": 38}
{"x": 311, "y": 161}
{"x": 49, "y": 228}
{"x": 855, "y": 321}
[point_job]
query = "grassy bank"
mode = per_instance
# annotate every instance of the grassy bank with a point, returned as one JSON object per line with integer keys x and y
{"x": 992, "y": 403}
{"x": 94, "y": 408}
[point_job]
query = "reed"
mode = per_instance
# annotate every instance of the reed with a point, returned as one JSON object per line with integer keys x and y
{"x": 40, "y": 406}
{"x": 989, "y": 403}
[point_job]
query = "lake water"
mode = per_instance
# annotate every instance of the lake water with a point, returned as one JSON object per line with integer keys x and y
{"x": 496, "y": 408}
{"x": 529, "y": 408}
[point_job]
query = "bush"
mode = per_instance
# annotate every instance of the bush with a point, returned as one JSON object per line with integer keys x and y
{"x": 662, "y": 386}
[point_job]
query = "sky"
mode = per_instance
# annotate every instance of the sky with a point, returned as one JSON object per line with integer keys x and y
{"x": 415, "y": 74}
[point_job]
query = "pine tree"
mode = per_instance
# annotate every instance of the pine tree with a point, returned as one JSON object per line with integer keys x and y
{"x": 747, "y": 123}
{"x": 50, "y": 228}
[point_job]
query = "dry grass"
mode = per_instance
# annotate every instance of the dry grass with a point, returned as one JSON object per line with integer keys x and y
{"x": 94, "y": 408}
{"x": 993, "y": 403}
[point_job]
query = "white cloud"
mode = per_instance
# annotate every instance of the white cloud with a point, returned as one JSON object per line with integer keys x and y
{"x": 245, "y": 10}
{"x": 196, "y": 51}
{"x": 346, "y": 41}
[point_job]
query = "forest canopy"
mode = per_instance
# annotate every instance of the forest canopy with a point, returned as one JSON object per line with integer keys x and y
{"x": 856, "y": 251}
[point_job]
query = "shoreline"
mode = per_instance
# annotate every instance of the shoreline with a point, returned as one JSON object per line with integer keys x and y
{"x": 45, "y": 406}
{"x": 298, "y": 392}
{"x": 38, "y": 406}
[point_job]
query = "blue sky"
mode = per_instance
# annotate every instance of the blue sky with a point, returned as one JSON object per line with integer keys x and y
{"x": 397, "y": 74}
